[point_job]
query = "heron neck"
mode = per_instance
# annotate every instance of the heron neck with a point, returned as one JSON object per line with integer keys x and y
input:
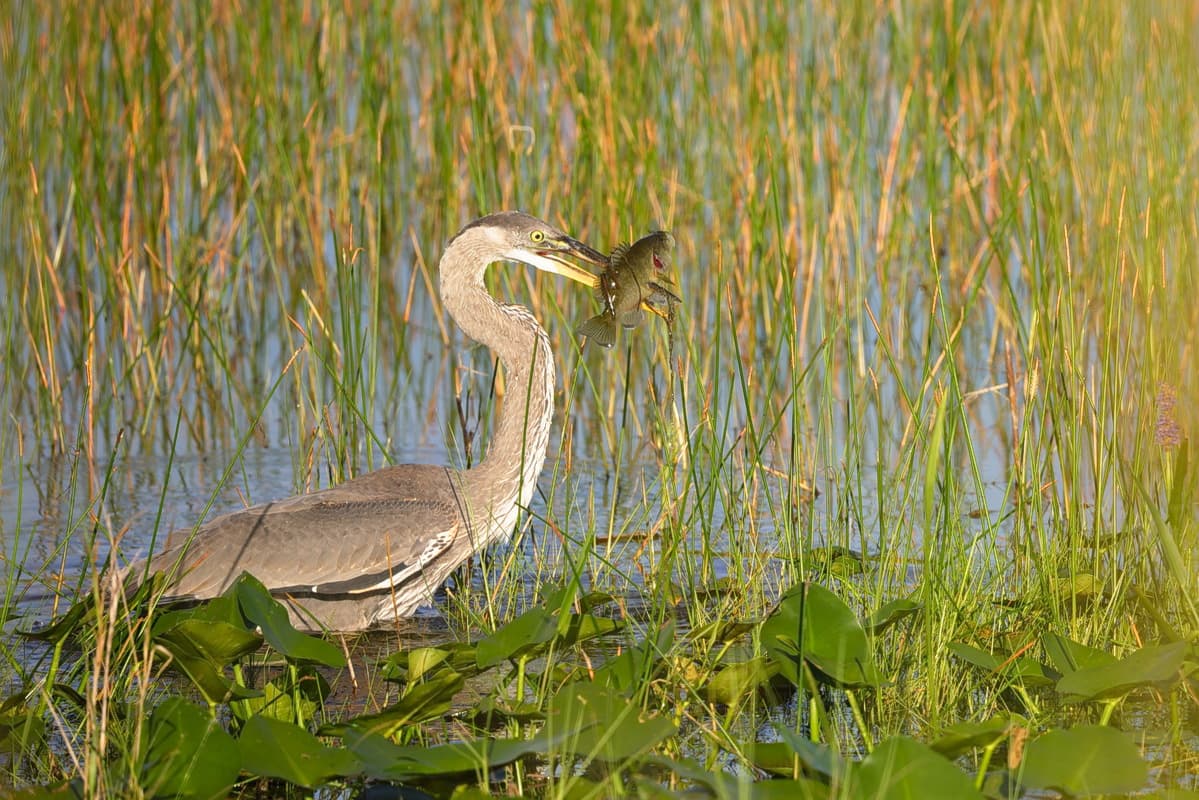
{"x": 508, "y": 473}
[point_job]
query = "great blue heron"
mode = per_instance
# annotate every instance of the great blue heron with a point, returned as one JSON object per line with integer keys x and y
{"x": 376, "y": 547}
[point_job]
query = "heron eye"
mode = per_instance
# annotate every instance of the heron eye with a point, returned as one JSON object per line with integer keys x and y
{"x": 537, "y": 237}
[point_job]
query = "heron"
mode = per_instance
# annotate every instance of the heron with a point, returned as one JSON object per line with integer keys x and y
{"x": 376, "y": 547}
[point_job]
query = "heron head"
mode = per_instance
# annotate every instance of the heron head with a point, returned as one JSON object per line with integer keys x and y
{"x": 517, "y": 236}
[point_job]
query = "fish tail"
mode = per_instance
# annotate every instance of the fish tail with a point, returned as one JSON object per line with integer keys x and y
{"x": 599, "y": 329}
{"x": 631, "y": 319}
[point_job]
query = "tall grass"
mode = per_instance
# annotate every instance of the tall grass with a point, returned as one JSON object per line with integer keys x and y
{"x": 938, "y": 263}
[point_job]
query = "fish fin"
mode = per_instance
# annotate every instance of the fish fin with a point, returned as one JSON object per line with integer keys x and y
{"x": 660, "y": 288}
{"x": 619, "y": 253}
{"x": 631, "y": 319}
{"x": 600, "y": 329}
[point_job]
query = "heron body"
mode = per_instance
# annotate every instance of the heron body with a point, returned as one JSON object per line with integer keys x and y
{"x": 376, "y": 547}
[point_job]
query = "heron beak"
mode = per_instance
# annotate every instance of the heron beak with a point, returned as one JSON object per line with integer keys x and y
{"x": 553, "y": 258}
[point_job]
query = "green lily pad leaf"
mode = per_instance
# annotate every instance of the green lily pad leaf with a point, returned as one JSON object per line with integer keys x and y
{"x": 815, "y": 757}
{"x": 279, "y": 698}
{"x": 423, "y": 701}
{"x": 469, "y": 793}
{"x": 581, "y": 627}
{"x": 636, "y": 665}
{"x": 724, "y": 786}
{"x": 567, "y": 598}
{"x": 223, "y": 608}
{"x": 66, "y": 790}
{"x": 1079, "y": 586}
{"x": 410, "y": 665}
{"x": 720, "y": 632}
{"x": 186, "y": 753}
{"x": 1152, "y": 665}
{"x": 777, "y": 758}
{"x": 1027, "y": 670}
{"x": 62, "y": 628}
{"x": 493, "y": 711}
{"x": 21, "y": 728}
{"x": 1084, "y": 761}
{"x": 812, "y": 624}
{"x": 609, "y": 726}
{"x": 736, "y": 681}
{"x": 1070, "y": 656}
{"x": 274, "y": 749}
{"x": 207, "y": 675}
{"x": 217, "y": 642}
{"x": 891, "y": 613}
{"x": 901, "y": 767}
{"x": 269, "y": 614}
{"x": 976, "y": 657}
{"x": 522, "y": 635}
{"x": 423, "y": 660}
{"x": 837, "y": 561}
{"x": 69, "y": 694}
{"x": 384, "y": 760}
{"x": 274, "y": 703}
{"x": 962, "y": 737}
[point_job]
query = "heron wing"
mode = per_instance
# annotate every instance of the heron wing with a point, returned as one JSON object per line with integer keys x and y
{"x": 360, "y": 537}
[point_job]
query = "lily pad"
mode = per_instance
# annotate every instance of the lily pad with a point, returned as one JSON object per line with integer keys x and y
{"x": 737, "y": 681}
{"x": 581, "y": 627}
{"x": 207, "y": 675}
{"x": 901, "y": 767}
{"x": 274, "y": 749}
{"x": 636, "y": 665}
{"x": 1152, "y": 665}
{"x": 724, "y": 786}
{"x": 223, "y": 608}
{"x": 1081, "y": 587}
{"x": 218, "y": 642}
{"x": 962, "y": 737}
{"x": 280, "y": 695}
{"x": 422, "y": 702}
{"x": 384, "y": 760}
{"x": 608, "y": 726}
{"x": 64, "y": 627}
{"x": 719, "y": 632}
{"x": 186, "y": 753}
{"x": 424, "y": 660}
{"x": 1070, "y": 656}
{"x": 777, "y": 758}
{"x": 518, "y": 637}
{"x": 21, "y": 728}
{"x": 1026, "y": 670}
{"x": 891, "y": 613}
{"x": 269, "y": 614}
{"x": 492, "y": 712}
{"x": 411, "y": 665}
{"x": 812, "y": 624}
{"x": 1084, "y": 761}
{"x": 816, "y": 757}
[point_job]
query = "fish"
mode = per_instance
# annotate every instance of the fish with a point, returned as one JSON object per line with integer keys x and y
{"x": 637, "y": 277}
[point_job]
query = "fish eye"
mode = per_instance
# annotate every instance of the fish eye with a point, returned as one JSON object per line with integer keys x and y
{"x": 537, "y": 237}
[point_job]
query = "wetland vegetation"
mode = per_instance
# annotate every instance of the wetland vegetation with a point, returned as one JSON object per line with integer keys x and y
{"x": 901, "y": 505}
